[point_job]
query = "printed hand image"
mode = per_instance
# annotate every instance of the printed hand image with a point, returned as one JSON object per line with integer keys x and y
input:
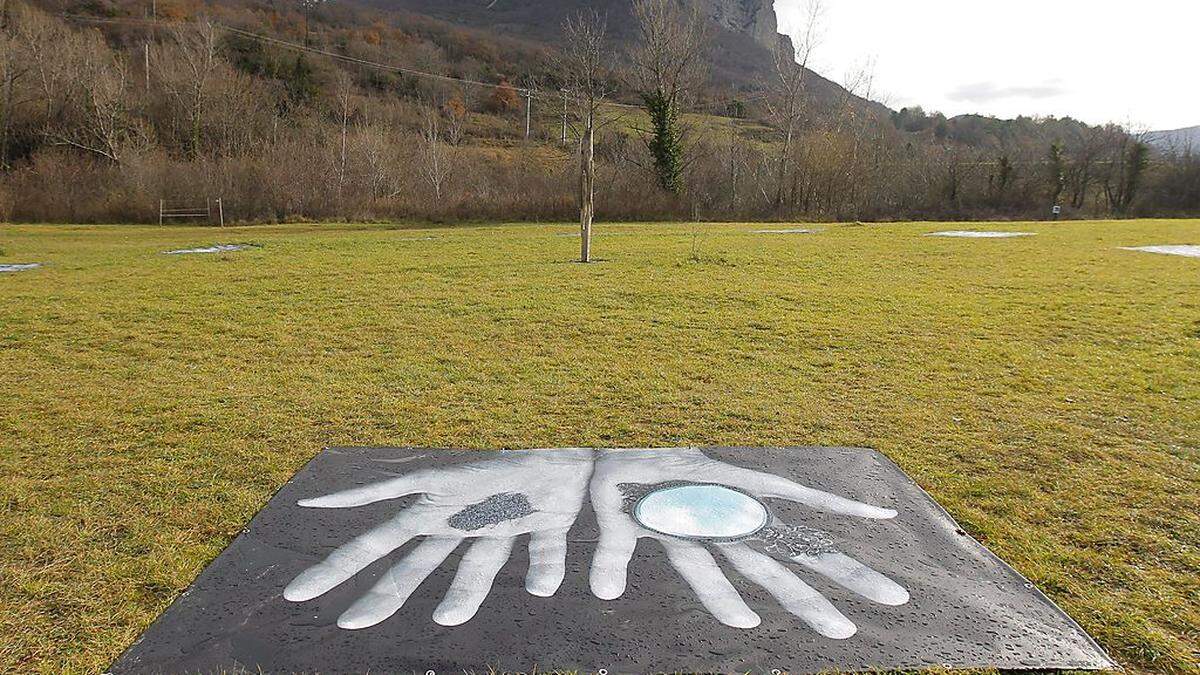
{"x": 678, "y": 497}
{"x": 491, "y": 502}
{"x": 684, "y": 500}
{"x": 718, "y": 559}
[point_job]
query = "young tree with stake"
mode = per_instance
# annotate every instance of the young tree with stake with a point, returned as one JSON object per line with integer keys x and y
{"x": 584, "y": 70}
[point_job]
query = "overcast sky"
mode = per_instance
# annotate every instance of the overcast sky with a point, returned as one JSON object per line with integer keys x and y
{"x": 1095, "y": 60}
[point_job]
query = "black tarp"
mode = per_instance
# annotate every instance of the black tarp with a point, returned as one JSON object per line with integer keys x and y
{"x": 965, "y": 607}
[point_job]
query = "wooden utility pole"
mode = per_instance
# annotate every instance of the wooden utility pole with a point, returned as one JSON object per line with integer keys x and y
{"x": 563, "y": 138}
{"x": 307, "y": 11}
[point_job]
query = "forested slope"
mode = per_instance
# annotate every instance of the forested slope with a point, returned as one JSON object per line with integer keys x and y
{"x": 350, "y": 111}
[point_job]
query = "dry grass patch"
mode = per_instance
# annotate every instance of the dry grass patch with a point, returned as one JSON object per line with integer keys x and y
{"x": 1044, "y": 390}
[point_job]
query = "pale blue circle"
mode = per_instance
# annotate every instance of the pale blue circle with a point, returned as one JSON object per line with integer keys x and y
{"x": 701, "y": 512}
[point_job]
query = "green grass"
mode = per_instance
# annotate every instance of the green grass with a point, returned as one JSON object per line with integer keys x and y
{"x": 1046, "y": 390}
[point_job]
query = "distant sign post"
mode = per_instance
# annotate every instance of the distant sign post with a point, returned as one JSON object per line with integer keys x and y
{"x": 1055, "y": 212}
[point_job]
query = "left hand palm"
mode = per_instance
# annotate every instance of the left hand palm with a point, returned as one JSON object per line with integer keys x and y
{"x": 490, "y": 502}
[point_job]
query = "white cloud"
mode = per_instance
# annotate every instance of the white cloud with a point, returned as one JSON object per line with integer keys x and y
{"x": 1096, "y": 60}
{"x": 986, "y": 92}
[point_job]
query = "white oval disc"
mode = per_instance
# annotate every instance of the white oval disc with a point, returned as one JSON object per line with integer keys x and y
{"x": 701, "y": 512}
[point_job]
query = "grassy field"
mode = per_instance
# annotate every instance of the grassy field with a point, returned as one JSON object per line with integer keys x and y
{"x": 1046, "y": 389}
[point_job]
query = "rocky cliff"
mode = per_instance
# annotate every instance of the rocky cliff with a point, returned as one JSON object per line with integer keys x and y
{"x": 744, "y": 30}
{"x": 543, "y": 18}
{"x": 755, "y": 18}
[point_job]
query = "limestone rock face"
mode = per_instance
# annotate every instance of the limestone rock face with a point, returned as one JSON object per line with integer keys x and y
{"x": 743, "y": 28}
{"x": 755, "y": 18}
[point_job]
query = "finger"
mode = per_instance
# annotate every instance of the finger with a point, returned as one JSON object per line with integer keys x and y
{"x": 396, "y": 585}
{"x": 610, "y": 563}
{"x": 351, "y": 557}
{"x": 855, "y": 576}
{"x": 408, "y": 484}
{"x": 547, "y": 562}
{"x": 793, "y": 594}
{"x": 473, "y": 581}
{"x": 697, "y": 567}
{"x": 768, "y": 485}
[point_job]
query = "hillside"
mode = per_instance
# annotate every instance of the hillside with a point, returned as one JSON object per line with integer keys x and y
{"x": 413, "y": 109}
{"x": 1175, "y": 141}
{"x": 743, "y": 31}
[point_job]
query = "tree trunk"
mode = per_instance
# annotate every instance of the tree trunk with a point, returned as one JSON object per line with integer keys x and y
{"x": 784, "y": 153}
{"x": 7, "y": 125}
{"x": 587, "y": 182}
{"x": 197, "y": 115}
{"x": 342, "y": 164}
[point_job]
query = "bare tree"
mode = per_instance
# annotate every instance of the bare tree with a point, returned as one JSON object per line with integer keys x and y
{"x": 1056, "y": 173}
{"x": 786, "y": 96}
{"x": 378, "y": 158}
{"x": 1125, "y": 168}
{"x": 1086, "y": 156}
{"x": 856, "y": 128}
{"x": 436, "y": 162}
{"x": 92, "y": 111}
{"x": 49, "y": 47}
{"x": 344, "y": 100}
{"x": 584, "y": 74}
{"x": 736, "y": 164}
{"x": 13, "y": 69}
{"x": 455, "y": 111}
{"x": 189, "y": 74}
{"x": 241, "y": 125}
{"x": 668, "y": 66}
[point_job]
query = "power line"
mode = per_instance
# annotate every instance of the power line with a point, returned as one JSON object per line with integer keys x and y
{"x": 302, "y": 48}
{"x": 527, "y": 93}
{"x": 364, "y": 62}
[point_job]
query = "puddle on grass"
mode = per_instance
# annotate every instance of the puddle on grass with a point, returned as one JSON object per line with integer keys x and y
{"x": 18, "y": 267}
{"x": 790, "y": 231}
{"x": 1186, "y": 250}
{"x": 595, "y": 234}
{"x": 216, "y": 248}
{"x": 967, "y": 234}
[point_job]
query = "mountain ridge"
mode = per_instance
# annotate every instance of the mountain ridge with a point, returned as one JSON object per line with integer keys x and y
{"x": 1175, "y": 141}
{"x": 743, "y": 34}
{"x": 755, "y": 19}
